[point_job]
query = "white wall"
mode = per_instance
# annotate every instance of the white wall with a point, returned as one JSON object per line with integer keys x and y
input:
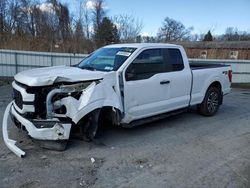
{"x": 12, "y": 62}
{"x": 240, "y": 68}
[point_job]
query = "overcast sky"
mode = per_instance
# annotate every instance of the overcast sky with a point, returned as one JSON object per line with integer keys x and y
{"x": 201, "y": 14}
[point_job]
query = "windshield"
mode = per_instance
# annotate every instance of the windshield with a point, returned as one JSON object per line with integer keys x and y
{"x": 106, "y": 59}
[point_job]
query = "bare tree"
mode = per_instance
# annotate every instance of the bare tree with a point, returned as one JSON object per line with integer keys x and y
{"x": 173, "y": 30}
{"x": 234, "y": 34}
{"x": 231, "y": 34}
{"x": 12, "y": 16}
{"x": 25, "y": 17}
{"x": 78, "y": 37}
{"x": 98, "y": 15}
{"x": 84, "y": 16}
{"x": 64, "y": 21}
{"x": 86, "y": 19}
{"x": 60, "y": 19}
{"x": 3, "y": 12}
{"x": 98, "y": 12}
{"x": 129, "y": 28}
{"x": 82, "y": 28}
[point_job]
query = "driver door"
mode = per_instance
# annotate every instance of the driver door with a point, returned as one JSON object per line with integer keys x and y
{"x": 147, "y": 85}
{"x": 152, "y": 83}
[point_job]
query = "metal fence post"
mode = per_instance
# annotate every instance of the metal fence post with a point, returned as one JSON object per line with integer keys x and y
{"x": 16, "y": 64}
{"x": 51, "y": 60}
{"x": 70, "y": 60}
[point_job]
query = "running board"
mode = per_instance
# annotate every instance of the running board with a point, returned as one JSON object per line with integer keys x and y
{"x": 153, "y": 118}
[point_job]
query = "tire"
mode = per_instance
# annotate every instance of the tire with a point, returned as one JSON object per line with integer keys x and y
{"x": 91, "y": 126}
{"x": 57, "y": 145}
{"x": 211, "y": 102}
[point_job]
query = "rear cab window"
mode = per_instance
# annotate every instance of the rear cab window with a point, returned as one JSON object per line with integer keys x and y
{"x": 174, "y": 58}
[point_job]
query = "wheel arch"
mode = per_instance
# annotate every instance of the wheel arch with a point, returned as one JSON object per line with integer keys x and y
{"x": 217, "y": 84}
{"x": 94, "y": 106}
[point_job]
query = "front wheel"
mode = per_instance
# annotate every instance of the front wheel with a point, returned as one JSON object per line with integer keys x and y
{"x": 211, "y": 102}
{"x": 90, "y": 128}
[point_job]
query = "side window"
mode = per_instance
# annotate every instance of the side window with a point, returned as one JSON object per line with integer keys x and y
{"x": 174, "y": 59}
{"x": 146, "y": 64}
{"x": 154, "y": 61}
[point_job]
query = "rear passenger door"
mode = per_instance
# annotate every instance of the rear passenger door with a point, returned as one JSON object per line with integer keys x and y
{"x": 155, "y": 82}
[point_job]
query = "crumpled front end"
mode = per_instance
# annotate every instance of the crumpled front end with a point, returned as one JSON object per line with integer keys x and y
{"x": 38, "y": 129}
{"x": 28, "y": 112}
{"x": 47, "y": 113}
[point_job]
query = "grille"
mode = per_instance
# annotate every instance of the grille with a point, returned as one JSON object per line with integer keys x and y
{"x": 18, "y": 98}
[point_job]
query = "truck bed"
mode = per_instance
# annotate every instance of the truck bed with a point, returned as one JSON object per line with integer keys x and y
{"x": 195, "y": 66}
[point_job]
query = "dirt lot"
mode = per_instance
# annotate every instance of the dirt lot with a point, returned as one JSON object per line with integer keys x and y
{"x": 187, "y": 150}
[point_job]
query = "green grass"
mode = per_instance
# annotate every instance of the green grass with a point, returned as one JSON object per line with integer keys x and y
{"x": 241, "y": 85}
{"x": 4, "y": 82}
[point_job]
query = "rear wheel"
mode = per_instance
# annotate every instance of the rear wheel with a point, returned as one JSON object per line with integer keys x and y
{"x": 211, "y": 102}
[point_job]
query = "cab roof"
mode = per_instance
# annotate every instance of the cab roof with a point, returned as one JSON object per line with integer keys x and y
{"x": 141, "y": 45}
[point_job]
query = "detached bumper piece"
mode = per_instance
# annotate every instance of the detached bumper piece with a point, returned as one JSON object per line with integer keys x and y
{"x": 11, "y": 144}
{"x": 47, "y": 130}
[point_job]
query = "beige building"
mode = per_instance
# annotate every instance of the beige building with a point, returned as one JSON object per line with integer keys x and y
{"x": 218, "y": 50}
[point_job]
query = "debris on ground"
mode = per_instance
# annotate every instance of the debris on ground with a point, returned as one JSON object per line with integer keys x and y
{"x": 92, "y": 160}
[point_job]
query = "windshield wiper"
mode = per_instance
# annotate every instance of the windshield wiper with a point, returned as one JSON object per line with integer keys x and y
{"x": 88, "y": 67}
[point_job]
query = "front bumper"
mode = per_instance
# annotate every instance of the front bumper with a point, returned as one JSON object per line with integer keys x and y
{"x": 9, "y": 142}
{"x": 59, "y": 130}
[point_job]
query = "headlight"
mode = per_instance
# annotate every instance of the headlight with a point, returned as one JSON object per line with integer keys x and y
{"x": 76, "y": 87}
{"x": 64, "y": 91}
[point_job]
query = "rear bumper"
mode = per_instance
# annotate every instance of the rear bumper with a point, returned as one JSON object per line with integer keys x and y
{"x": 56, "y": 130}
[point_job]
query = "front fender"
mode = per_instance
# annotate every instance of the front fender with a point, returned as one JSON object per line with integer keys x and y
{"x": 95, "y": 97}
{"x": 93, "y": 106}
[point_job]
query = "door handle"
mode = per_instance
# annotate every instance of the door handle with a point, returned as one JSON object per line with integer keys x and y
{"x": 165, "y": 82}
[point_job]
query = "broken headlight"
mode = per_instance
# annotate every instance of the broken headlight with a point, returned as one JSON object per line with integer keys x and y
{"x": 76, "y": 87}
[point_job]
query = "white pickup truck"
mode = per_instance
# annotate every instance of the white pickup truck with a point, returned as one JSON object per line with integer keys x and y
{"x": 122, "y": 84}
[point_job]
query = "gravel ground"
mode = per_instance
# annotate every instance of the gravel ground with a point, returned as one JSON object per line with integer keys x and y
{"x": 187, "y": 150}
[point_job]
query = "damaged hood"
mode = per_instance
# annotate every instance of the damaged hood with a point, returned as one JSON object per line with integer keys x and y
{"x": 50, "y": 75}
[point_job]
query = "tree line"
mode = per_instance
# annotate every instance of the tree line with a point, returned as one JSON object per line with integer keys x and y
{"x": 50, "y": 26}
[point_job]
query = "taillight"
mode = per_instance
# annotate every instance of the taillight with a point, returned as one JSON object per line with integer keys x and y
{"x": 230, "y": 75}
